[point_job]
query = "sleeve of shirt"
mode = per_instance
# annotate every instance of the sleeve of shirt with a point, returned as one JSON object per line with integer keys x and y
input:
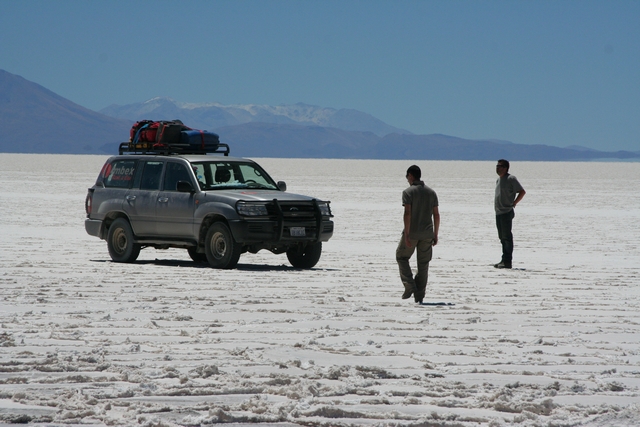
{"x": 406, "y": 198}
{"x": 516, "y": 184}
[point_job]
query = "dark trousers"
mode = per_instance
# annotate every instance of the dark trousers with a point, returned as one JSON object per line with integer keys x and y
{"x": 504, "y": 223}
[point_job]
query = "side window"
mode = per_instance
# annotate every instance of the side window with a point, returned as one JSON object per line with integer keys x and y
{"x": 151, "y": 176}
{"x": 175, "y": 172}
{"x": 119, "y": 174}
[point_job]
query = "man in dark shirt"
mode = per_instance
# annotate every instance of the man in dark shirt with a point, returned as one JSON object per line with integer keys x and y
{"x": 421, "y": 223}
{"x": 509, "y": 192}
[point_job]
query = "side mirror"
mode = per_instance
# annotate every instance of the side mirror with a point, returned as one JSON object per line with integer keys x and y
{"x": 282, "y": 185}
{"x": 185, "y": 187}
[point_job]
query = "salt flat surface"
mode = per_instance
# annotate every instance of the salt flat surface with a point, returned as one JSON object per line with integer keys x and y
{"x": 165, "y": 341}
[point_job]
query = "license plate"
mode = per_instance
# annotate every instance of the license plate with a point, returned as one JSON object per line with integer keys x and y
{"x": 298, "y": 231}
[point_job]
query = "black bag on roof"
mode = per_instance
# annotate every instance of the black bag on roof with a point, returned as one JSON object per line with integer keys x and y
{"x": 169, "y": 132}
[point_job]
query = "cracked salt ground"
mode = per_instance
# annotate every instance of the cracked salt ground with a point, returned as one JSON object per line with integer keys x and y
{"x": 166, "y": 342}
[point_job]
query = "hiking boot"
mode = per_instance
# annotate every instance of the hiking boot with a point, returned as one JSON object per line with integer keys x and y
{"x": 502, "y": 265}
{"x": 407, "y": 294}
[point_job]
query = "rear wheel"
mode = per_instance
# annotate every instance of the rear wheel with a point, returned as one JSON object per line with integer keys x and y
{"x": 221, "y": 250}
{"x": 305, "y": 256}
{"x": 122, "y": 247}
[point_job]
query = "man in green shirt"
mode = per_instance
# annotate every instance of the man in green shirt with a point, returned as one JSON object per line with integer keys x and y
{"x": 421, "y": 223}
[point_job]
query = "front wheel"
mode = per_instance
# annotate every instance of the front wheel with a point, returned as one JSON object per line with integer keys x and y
{"x": 122, "y": 247}
{"x": 221, "y": 250}
{"x": 305, "y": 256}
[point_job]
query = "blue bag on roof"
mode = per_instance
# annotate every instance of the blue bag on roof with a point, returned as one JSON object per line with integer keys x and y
{"x": 199, "y": 138}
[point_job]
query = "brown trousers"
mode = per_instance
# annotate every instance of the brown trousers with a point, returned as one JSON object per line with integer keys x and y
{"x": 416, "y": 284}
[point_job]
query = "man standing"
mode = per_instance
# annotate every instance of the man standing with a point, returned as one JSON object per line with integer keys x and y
{"x": 421, "y": 224}
{"x": 509, "y": 192}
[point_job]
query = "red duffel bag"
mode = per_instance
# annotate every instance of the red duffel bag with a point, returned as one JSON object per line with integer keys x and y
{"x": 149, "y": 133}
{"x": 137, "y": 126}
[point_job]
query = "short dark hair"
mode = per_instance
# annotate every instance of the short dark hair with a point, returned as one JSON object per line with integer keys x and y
{"x": 415, "y": 171}
{"x": 505, "y": 163}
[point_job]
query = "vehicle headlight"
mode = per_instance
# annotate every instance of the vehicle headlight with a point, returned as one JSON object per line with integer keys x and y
{"x": 251, "y": 209}
{"x": 324, "y": 208}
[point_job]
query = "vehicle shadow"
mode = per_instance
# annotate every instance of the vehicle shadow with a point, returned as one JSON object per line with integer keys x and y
{"x": 265, "y": 267}
{"x": 281, "y": 267}
{"x": 240, "y": 267}
{"x": 164, "y": 262}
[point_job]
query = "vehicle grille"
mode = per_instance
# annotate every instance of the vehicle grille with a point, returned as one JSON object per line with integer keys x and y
{"x": 255, "y": 228}
{"x": 293, "y": 211}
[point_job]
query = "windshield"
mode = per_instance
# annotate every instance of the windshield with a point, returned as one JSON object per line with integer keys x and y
{"x": 224, "y": 175}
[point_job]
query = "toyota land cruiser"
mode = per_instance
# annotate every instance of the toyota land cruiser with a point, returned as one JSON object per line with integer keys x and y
{"x": 214, "y": 206}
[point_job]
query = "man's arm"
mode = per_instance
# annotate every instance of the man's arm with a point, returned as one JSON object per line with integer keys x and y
{"x": 407, "y": 224}
{"x": 436, "y": 224}
{"x": 520, "y": 196}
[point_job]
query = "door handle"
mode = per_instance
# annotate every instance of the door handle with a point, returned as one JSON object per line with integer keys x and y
{"x": 130, "y": 198}
{"x": 163, "y": 199}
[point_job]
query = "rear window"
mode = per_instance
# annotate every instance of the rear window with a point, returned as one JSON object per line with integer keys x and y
{"x": 151, "y": 175}
{"x": 119, "y": 174}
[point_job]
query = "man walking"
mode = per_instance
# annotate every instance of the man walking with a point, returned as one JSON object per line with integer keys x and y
{"x": 421, "y": 223}
{"x": 509, "y": 192}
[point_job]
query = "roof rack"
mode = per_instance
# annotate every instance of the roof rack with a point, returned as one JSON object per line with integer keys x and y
{"x": 163, "y": 149}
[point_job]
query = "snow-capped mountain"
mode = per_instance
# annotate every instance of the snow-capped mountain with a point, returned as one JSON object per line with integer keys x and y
{"x": 212, "y": 116}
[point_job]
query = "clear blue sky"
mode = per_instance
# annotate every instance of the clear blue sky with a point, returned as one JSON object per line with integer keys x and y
{"x": 559, "y": 72}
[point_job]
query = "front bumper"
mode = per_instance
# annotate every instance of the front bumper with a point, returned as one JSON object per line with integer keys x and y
{"x": 274, "y": 231}
{"x": 287, "y": 222}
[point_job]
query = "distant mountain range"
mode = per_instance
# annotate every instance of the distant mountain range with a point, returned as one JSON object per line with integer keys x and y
{"x": 215, "y": 116}
{"x": 36, "y": 120}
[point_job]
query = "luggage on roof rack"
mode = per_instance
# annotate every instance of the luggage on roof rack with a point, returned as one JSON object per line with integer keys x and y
{"x": 171, "y": 137}
{"x": 163, "y": 131}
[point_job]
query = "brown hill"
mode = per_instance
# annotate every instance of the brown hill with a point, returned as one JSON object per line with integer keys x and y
{"x": 36, "y": 120}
